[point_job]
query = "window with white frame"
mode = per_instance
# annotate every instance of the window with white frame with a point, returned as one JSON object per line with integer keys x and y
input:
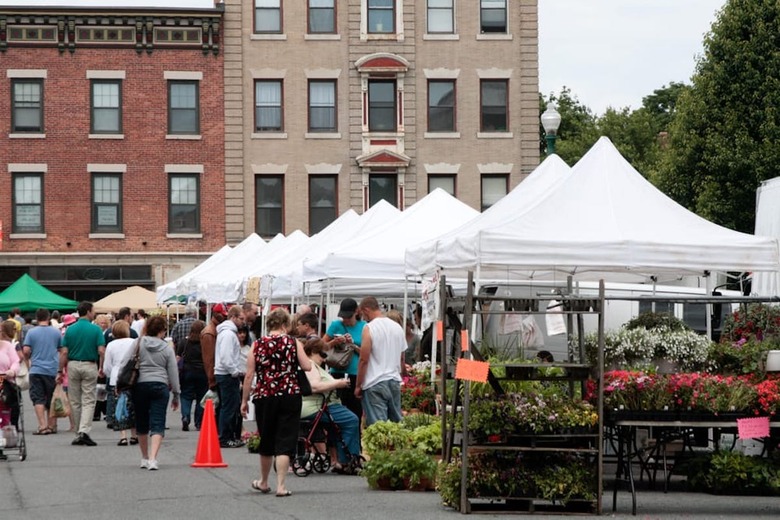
{"x": 183, "y": 107}
{"x": 322, "y": 16}
{"x": 494, "y": 105}
{"x": 322, "y": 105}
{"x": 323, "y": 201}
{"x": 383, "y": 186}
{"x": 441, "y": 105}
{"x": 106, "y": 106}
{"x": 27, "y": 202}
{"x": 269, "y": 205}
{"x": 382, "y": 109}
{"x": 492, "y": 14}
{"x": 183, "y": 203}
{"x": 441, "y": 16}
{"x": 268, "y": 106}
{"x": 494, "y": 187}
{"x": 445, "y": 182}
{"x": 268, "y": 16}
{"x": 381, "y": 16}
{"x": 27, "y": 105}
{"x": 106, "y": 203}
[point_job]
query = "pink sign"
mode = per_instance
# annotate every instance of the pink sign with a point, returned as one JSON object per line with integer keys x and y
{"x": 753, "y": 428}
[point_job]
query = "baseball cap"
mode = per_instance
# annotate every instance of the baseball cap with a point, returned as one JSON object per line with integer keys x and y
{"x": 348, "y": 308}
{"x": 220, "y": 308}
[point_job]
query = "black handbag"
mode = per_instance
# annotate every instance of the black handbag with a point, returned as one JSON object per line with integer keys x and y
{"x": 340, "y": 356}
{"x": 303, "y": 381}
{"x": 128, "y": 373}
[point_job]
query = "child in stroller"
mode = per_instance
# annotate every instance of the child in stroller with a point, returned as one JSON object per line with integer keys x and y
{"x": 323, "y": 408}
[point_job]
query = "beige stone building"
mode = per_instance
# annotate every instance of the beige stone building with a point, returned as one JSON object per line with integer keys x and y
{"x": 335, "y": 104}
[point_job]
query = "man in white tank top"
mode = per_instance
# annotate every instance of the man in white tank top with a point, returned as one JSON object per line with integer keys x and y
{"x": 381, "y": 364}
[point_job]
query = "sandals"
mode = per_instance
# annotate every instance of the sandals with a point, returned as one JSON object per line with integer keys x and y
{"x": 133, "y": 441}
{"x": 43, "y": 431}
{"x": 122, "y": 442}
{"x": 256, "y": 487}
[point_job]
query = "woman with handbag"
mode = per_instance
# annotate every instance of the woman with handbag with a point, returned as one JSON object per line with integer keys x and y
{"x": 347, "y": 330}
{"x": 158, "y": 376}
{"x": 118, "y": 349}
{"x": 277, "y": 358}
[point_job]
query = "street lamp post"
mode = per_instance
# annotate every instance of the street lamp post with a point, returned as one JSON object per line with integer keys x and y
{"x": 551, "y": 120}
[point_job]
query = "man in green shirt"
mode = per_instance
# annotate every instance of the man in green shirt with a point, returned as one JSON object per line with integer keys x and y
{"x": 82, "y": 350}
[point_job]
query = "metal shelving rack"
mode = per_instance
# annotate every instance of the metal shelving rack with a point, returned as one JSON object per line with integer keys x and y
{"x": 573, "y": 371}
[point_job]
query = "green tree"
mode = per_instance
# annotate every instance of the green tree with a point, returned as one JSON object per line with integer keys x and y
{"x": 577, "y": 132}
{"x": 724, "y": 139}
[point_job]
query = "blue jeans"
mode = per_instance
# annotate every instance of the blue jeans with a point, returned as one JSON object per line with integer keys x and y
{"x": 382, "y": 402}
{"x": 151, "y": 403}
{"x": 194, "y": 385}
{"x": 229, "y": 403}
{"x": 349, "y": 425}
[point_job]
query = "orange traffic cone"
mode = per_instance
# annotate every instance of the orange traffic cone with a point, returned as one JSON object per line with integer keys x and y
{"x": 208, "y": 454}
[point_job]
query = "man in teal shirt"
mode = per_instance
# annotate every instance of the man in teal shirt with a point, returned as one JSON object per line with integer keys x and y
{"x": 83, "y": 347}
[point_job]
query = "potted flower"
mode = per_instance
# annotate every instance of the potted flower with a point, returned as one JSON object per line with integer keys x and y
{"x": 252, "y": 440}
{"x": 417, "y": 396}
{"x": 428, "y": 438}
{"x": 492, "y": 420}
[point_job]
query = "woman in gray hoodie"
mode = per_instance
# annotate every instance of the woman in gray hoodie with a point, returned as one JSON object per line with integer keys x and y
{"x": 158, "y": 376}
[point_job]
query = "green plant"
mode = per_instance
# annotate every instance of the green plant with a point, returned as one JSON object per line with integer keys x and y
{"x": 417, "y": 394}
{"x": 415, "y": 420}
{"x": 448, "y": 483}
{"x": 252, "y": 441}
{"x": 383, "y": 469}
{"x": 385, "y": 436}
{"x": 562, "y": 480}
{"x": 743, "y": 356}
{"x": 755, "y": 321}
{"x": 655, "y": 320}
{"x": 733, "y": 473}
{"x": 490, "y": 417}
{"x": 428, "y": 438}
{"x": 415, "y": 466}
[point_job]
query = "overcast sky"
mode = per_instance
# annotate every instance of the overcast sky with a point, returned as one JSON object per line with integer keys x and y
{"x": 615, "y": 52}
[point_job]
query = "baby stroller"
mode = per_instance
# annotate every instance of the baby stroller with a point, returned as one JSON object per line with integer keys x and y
{"x": 314, "y": 433}
{"x": 11, "y": 411}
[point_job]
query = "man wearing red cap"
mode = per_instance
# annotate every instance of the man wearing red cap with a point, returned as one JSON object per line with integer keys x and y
{"x": 208, "y": 342}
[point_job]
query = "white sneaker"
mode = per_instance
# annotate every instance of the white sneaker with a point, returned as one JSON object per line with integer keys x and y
{"x": 145, "y": 463}
{"x": 152, "y": 465}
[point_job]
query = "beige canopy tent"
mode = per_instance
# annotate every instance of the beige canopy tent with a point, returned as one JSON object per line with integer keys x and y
{"x": 135, "y": 297}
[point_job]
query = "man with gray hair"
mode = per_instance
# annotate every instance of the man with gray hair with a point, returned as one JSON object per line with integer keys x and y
{"x": 182, "y": 328}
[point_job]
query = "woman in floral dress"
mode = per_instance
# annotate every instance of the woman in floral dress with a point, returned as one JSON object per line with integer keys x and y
{"x": 276, "y": 357}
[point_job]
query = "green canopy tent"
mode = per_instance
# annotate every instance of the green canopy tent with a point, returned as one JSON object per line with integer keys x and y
{"x": 28, "y": 295}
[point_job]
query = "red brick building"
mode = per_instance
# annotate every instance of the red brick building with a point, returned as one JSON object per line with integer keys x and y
{"x": 112, "y": 149}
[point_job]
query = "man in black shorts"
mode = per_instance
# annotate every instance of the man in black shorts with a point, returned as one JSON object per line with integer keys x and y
{"x": 41, "y": 345}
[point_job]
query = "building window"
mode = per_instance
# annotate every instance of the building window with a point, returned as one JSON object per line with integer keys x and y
{"x": 381, "y": 106}
{"x": 27, "y": 100}
{"x": 106, "y": 107}
{"x": 268, "y": 106}
{"x": 28, "y": 203}
{"x": 381, "y": 16}
{"x": 383, "y": 186}
{"x": 183, "y": 109}
{"x": 492, "y": 15}
{"x": 441, "y": 17}
{"x": 268, "y": 16}
{"x": 441, "y": 105}
{"x": 269, "y": 198}
{"x": 445, "y": 182}
{"x": 322, "y": 106}
{"x": 106, "y": 203}
{"x": 494, "y": 109}
{"x": 322, "y": 16}
{"x": 494, "y": 187}
{"x": 184, "y": 203}
{"x": 322, "y": 201}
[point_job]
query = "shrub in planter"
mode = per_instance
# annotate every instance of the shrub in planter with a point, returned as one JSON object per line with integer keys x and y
{"x": 427, "y": 438}
{"x": 491, "y": 418}
{"x": 415, "y": 420}
{"x": 563, "y": 480}
{"x": 385, "y": 436}
{"x": 382, "y": 471}
{"x": 656, "y": 320}
{"x": 757, "y": 321}
{"x": 742, "y": 356}
{"x": 732, "y": 473}
{"x": 417, "y": 468}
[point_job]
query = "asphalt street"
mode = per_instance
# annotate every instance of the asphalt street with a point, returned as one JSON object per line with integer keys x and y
{"x": 63, "y": 482}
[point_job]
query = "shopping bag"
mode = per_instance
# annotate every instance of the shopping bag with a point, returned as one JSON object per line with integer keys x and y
{"x": 60, "y": 406}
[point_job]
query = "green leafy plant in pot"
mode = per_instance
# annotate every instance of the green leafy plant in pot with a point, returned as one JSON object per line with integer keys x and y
{"x": 382, "y": 471}
{"x": 385, "y": 436}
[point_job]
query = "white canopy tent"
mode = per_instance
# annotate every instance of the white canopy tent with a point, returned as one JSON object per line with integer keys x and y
{"x": 379, "y": 256}
{"x": 767, "y": 224}
{"x": 606, "y": 221}
{"x": 171, "y": 289}
{"x": 423, "y": 258}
